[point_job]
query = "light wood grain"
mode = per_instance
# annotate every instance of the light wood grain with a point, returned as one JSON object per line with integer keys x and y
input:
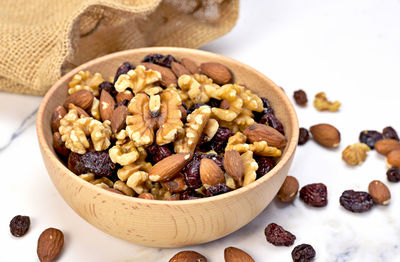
{"x": 173, "y": 223}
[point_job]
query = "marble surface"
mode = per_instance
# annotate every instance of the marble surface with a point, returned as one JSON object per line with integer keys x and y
{"x": 349, "y": 49}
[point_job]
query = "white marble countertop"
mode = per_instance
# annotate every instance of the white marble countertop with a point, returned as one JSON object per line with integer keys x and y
{"x": 349, "y": 49}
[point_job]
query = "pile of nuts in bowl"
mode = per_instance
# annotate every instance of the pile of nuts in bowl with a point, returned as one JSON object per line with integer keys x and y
{"x": 166, "y": 130}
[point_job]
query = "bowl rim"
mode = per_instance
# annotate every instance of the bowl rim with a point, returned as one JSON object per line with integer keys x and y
{"x": 286, "y": 156}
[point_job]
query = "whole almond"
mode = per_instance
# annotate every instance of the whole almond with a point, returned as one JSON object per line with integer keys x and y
{"x": 380, "y": 192}
{"x": 175, "y": 185}
{"x": 288, "y": 190}
{"x": 58, "y": 114}
{"x": 126, "y": 95}
{"x": 217, "y": 72}
{"x": 179, "y": 69}
{"x": 325, "y": 135}
{"x": 188, "y": 256}
{"x": 168, "y": 167}
{"x": 233, "y": 254}
{"x": 260, "y": 132}
{"x": 384, "y": 146}
{"x": 210, "y": 173}
{"x": 80, "y": 111}
{"x": 107, "y": 104}
{"x": 149, "y": 196}
{"x": 168, "y": 77}
{"x": 118, "y": 118}
{"x": 50, "y": 243}
{"x": 81, "y": 98}
{"x": 393, "y": 159}
{"x": 233, "y": 165}
{"x": 59, "y": 145}
{"x": 190, "y": 65}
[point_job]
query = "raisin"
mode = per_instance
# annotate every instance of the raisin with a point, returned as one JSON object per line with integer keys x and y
{"x": 19, "y": 225}
{"x": 157, "y": 153}
{"x": 265, "y": 164}
{"x": 97, "y": 162}
{"x": 300, "y": 97}
{"x": 162, "y": 60}
{"x": 267, "y": 108}
{"x": 370, "y": 137}
{"x": 389, "y": 133}
{"x": 190, "y": 194}
{"x": 393, "y": 174}
{"x": 356, "y": 201}
{"x": 315, "y": 195}
{"x": 123, "y": 69}
{"x": 304, "y": 136}
{"x": 214, "y": 102}
{"x": 278, "y": 236}
{"x": 109, "y": 87}
{"x": 271, "y": 119}
{"x": 220, "y": 139}
{"x": 303, "y": 253}
{"x": 217, "y": 190}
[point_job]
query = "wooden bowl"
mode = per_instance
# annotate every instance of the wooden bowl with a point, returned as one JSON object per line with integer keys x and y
{"x": 167, "y": 223}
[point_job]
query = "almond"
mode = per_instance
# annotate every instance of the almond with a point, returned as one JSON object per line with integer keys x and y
{"x": 188, "y": 256}
{"x": 168, "y": 167}
{"x": 118, "y": 118}
{"x": 81, "y": 98}
{"x": 149, "y": 196}
{"x": 210, "y": 173}
{"x": 261, "y": 132}
{"x": 233, "y": 165}
{"x": 107, "y": 104}
{"x": 384, "y": 146}
{"x": 233, "y": 254}
{"x": 179, "y": 69}
{"x": 176, "y": 185}
{"x": 325, "y": 135}
{"x": 288, "y": 190}
{"x": 167, "y": 75}
{"x": 58, "y": 114}
{"x": 217, "y": 72}
{"x": 81, "y": 112}
{"x": 393, "y": 159}
{"x": 380, "y": 192}
{"x": 126, "y": 95}
{"x": 191, "y": 66}
{"x": 50, "y": 244}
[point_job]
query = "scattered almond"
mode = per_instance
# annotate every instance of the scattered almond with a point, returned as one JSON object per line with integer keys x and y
{"x": 107, "y": 104}
{"x": 325, "y": 135}
{"x": 233, "y": 254}
{"x": 210, "y": 173}
{"x": 50, "y": 243}
{"x": 168, "y": 167}
{"x": 118, "y": 118}
{"x": 233, "y": 165}
{"x": 191, "y": 66}
{"x": 175, "y": 185}
{"x": 58, "y": 113}
{"x": 288, "y": 190}
{"x": 384, "y": 146}
{"x": 393, "y": 159}
{"x": 261, "y": 132}
{"x": 179, "y": 69}
{"x": 217, "y": 72}
{"x": 167, "y": 75}
{"x": 380, "y": 192}
{"x": 188, "y": 256}
{"x": 122, "y": 96}
{"x": 81, "y": 98}
{"x": 149, "y": 196}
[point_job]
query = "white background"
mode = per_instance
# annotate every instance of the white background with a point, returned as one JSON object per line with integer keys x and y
{"x": 349, "y": 49}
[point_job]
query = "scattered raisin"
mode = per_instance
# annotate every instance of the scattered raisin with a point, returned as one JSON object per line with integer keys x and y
{"x": 123, "y": 69}
{"x": 278, "y": 236}
{"x": 265, "y": 164}
{"x": 304, "y": 135}
{"x": 217, "y": 190}
{"x": 162, "y": 60}
{"x": 272, "y": 121}
{"x": 303, "y": 253}
{"x": 393, "y": 174}
{"x": 370, "y": 137}
{"x": 220, "y": 139}
{"x": 300, "y": 97}
{"x": 315, "y": 195}
{"x": 389, "y": 133}
{"x": 97, "y": 162}
{"x": 157, "y": 153}
{"x": 19, "y": 225}
{"x": 356, "y": 201}
{"x": 109, "y": 87}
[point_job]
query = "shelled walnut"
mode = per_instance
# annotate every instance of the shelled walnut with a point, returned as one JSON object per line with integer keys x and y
{"x": 84, "y": 80}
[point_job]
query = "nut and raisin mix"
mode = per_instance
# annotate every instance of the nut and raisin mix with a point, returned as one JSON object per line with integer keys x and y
{"x": 148, "y": 132}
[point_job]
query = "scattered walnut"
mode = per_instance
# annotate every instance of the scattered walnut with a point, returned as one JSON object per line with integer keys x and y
{"x": 238, "y": 142}
{"x": 136, "y": 181}
{"x": 321, "y": 103}
{"x": 121, "y": 186}
{"x": 84, "y": 80}
{"x": 95, "y": 110}
{"x": 124, "y": 154}
{"x": 137, "y": 79}
{"x": 355, "y": 154}
{"x": 250, "y": 168}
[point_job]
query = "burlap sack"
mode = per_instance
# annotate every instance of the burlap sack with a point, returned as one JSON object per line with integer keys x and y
{"x": 40, "y": 40}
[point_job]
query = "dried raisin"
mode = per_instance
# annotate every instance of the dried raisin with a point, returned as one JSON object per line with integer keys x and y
{"x": 389, "y": 133}
{"x": 109, "y": 87}
{"x": 356, "y": 201}
{"x": 265, "y": 164}
{"x": 123, "y": 69}
{"x": 217, "y": 190}
{"x": 157, "y": 153}
{"x": 190, "y": 194}
{"x": 272, "y": 121}
{"x": 97, "y": 162}
{"x": 315, "y": 195}
{"x": 300, "y": 97}
{"x": 278, "y": 236}
{"x": 220, "y": 139}
{"x": 304, "y": 136}
{"x": 303, "y": 253}
{"x": 370, "y": 137}
{"x": 19, "y": 225}
{"x": 162, "y": 60}
{"x": 393, "y": 174}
